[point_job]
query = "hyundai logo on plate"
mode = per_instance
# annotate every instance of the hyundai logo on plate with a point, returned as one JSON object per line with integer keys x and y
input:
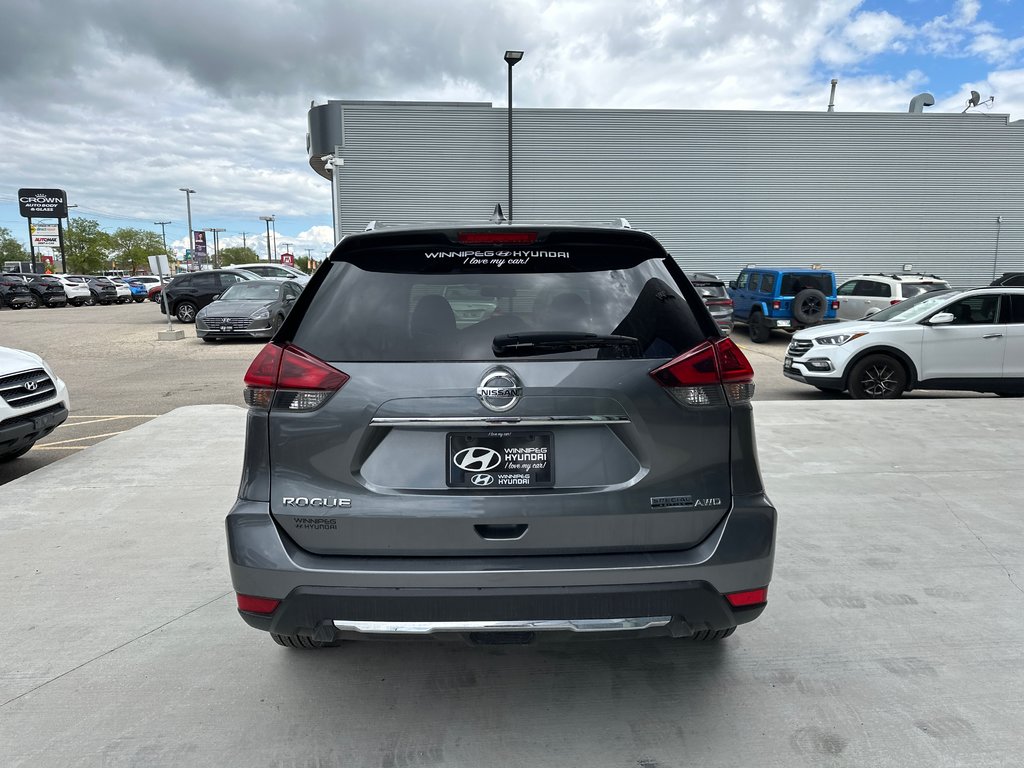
{"x": 500, "y": 390}
{"x": 482, "y": 480}
{"x": 477, "y": 459}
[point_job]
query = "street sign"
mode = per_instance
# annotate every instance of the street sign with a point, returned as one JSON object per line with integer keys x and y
{"x": 43, "y": 203}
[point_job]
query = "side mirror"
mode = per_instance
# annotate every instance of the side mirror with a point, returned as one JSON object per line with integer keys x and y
{"x": 732, "y": 284}
{"x": 943, "y": 318}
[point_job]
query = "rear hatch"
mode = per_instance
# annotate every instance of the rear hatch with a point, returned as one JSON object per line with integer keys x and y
{"x": 435, "y": 394}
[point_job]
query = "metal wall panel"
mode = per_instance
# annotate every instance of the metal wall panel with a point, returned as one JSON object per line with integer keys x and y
{"x": 855, "y": 192}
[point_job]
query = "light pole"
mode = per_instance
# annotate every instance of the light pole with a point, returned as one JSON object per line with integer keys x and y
{"x": 216, "y": 250}
{"x": 511, "y": 58}
{"x": 273, "y": 224}
{"x": 66, "y": 246}
{"x": 268, "y": 219}
{"x": 188, "y": 207}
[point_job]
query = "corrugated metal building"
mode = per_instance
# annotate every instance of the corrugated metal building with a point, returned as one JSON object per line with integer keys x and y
{"x": 854, "y": 192}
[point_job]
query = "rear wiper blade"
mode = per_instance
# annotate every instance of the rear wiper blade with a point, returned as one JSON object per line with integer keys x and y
{"x": 549, "y": 342}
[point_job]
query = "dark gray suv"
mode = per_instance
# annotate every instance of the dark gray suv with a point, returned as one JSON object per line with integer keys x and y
{"x": 495, "y": 431}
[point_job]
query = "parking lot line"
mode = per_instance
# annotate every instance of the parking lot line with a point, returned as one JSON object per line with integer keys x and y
{"x": 52, "y": 447}
{"x": 87, "y": 437}
{"x": 120, "y": 416}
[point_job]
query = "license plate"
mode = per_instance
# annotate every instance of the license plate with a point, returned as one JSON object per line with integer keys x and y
{"x": 499, "y": 460}
{"x": 226, "y": 328}
{"x": 782, "y": 323}
{"x": 788, "y": 362}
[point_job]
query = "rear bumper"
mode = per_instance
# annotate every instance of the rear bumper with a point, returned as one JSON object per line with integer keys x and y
{"x": 317, "y": 591}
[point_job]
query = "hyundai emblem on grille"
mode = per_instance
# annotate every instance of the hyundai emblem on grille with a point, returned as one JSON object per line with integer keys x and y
{"x": 500, "y": 390}
{"x": 31, "y": 386}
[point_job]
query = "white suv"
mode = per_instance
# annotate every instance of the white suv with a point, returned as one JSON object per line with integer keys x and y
{"x": 33, "y": 402}
{"x": 969, "y": 340}
{"x": 865, "y": 294}
{"x": 77, "y": 290}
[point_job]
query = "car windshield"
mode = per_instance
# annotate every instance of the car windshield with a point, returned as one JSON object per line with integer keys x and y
{"x": 792, "y": 284}
{"x": 912, "y": 310}
{"x": 916, "y": 289}
{"x": 361, "y": 315}
{"x": 251, "y": 292}
{"x": 710, "y": 290}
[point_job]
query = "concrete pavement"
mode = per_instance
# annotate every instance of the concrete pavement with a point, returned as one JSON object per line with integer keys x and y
{"x": 892, "y": 635}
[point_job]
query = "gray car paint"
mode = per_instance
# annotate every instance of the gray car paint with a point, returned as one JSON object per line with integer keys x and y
{"x": 387, "y": 521}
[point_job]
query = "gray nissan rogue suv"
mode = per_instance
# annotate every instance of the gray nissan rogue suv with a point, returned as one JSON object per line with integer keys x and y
{"x": 494, "y": 431}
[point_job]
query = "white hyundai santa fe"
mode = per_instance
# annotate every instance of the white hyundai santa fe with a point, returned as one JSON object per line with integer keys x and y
{"x": 971, "y": 340}
{"x": 33, "y": 401}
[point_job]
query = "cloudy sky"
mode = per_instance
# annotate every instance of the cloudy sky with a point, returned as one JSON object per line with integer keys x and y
{"x": 122, "y": 102}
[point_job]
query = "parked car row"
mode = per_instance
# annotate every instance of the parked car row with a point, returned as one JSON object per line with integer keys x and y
{"x": 27, "y": 290}
{"x": 234, "y": 301}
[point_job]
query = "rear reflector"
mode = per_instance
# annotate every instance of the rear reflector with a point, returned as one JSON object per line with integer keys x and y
{"x": 749, "y": 597}
{"x": 251, "y": 604}
{"x": 290, "y": 378}
{"x": 696, "y": 377}
{"x": 478, "y": 238}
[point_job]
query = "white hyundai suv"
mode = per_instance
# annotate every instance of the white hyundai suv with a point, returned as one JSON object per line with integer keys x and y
{"x": 970, "y": 340}
{"x": 866, "y": 294}
{"x": 33, "y": 402}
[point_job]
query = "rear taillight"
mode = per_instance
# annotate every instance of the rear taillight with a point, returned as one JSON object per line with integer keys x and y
{"x": 251, "y": 604}
{"x": 748, "y": 597}
{"x": 893, "y": 302}
{"x": 835, "y": 304}
{"x": 290, "y": 378}
{"x": 719, "y": 302}
{"x": 776, "y": 305}
{"x": 709, "y": 374}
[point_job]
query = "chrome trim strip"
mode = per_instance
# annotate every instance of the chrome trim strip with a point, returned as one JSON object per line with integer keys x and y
{"x": 523, "y": 625}
{"x": 492, "y": 421}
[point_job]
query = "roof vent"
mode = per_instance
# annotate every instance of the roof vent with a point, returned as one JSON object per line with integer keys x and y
{"x": 919, "y": 102}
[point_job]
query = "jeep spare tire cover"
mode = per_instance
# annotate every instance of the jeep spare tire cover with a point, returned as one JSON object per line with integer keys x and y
{"x": 809, "y": 306}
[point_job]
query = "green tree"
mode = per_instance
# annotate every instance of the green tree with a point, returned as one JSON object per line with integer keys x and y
{"x": 237, "y": 254}
{"x": 11, "y": 248}
{"x": 302, "y": 262}
{"x": 87, "y": 247}
{"x": 131, "y": 248}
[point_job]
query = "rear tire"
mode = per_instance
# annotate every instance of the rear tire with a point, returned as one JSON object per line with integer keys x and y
{"x": 711, "y": 635}
{"x": 758, "y": 329}
{"x": 300, "y": 642}
{"x": 877, "y": 377}
{"x": 809, "y": 306}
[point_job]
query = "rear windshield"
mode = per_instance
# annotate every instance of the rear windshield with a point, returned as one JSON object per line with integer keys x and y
{"x": 916, "y": 289}
{"x": 793, "y": 284}
{"x": 710, "y": 290}
{"x": 363, "y": 316}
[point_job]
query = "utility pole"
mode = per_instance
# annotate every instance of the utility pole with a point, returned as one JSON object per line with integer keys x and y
{"x": 273, "y": 223}
{"x": 163, "y": 231}
{"x": 243, "y": 234}
{"x": 215, "y": 230}
{"x": 268, "y": 219}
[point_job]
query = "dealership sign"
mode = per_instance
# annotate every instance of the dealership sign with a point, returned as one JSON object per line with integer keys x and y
{"x": 43, "y": 203}
{"x": 45, "y": 241}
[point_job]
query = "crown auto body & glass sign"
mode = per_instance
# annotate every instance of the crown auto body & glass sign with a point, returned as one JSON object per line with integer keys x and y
{"x": 43, "y": 203}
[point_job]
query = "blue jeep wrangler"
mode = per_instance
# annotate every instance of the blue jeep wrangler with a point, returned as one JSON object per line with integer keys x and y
{"x": 776, "y": 297}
